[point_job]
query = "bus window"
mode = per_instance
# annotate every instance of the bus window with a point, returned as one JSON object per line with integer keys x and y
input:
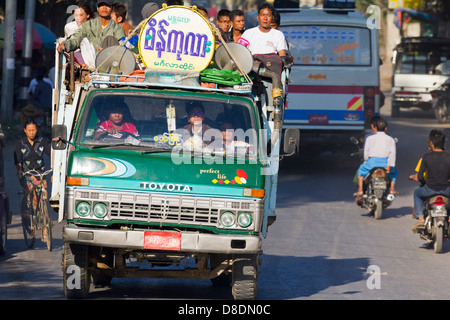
{"x": 329, "y": 45}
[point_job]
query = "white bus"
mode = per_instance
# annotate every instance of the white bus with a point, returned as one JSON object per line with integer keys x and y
{"x": 334, "y": 84}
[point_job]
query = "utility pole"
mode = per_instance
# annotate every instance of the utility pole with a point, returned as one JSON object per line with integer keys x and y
{"x": 9, "y": 53}
{"x": 27, "y": 51}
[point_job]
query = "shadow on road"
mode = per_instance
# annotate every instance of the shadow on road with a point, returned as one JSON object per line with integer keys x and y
{"x": 302, "y": 277}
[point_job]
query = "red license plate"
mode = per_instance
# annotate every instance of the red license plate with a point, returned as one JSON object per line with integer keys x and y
{"x": 318, "y": 118}
{"x": 162, "y": 240}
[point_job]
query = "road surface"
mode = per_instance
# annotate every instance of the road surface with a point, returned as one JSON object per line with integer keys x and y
{"x": 322, "y": 245}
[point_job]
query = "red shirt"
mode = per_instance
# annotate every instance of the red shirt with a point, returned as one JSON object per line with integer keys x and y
{"x": 127, "y": 127}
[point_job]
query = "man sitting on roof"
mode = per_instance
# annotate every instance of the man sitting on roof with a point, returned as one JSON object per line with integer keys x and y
{"x": 100, "y": 32}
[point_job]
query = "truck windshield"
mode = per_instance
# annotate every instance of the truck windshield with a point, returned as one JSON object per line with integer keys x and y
{"x": 423, "y": 58}
{"x": 329, "y": 45}
{"x": 164, "y": 123}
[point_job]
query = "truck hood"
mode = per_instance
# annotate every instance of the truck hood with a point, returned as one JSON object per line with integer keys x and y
{"x": 156, "y": 172}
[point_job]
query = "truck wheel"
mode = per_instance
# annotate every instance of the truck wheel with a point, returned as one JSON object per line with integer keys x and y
{"x": 440, "y": 111}
{"x": 395, "y": 110}
{"x": 245, "y": 278}
{"x": 76, "y": 275}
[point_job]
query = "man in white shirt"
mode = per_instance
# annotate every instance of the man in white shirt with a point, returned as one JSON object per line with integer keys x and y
{"x": 379, "y": 151}
{"x": 263, "y": 39}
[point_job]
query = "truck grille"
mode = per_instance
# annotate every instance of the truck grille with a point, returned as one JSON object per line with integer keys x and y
{"x": 164, "y": 208}
{"x": 167, "y": 209}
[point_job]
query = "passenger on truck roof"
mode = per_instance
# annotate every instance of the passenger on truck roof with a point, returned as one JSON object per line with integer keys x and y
{"x": 101, "y": 32}
{"x": 116, "y": 126}
{"x": 223, "y": 20}
{"x": 263, "y": 39}
{"x": 119, "y": 15}
{"x": 237, "y": 20}
{"x": 148, "y": 9}
{"x": 82, "y": 13}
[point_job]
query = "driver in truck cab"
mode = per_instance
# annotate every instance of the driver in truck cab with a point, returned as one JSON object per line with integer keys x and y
{"x": 116, "y": 126}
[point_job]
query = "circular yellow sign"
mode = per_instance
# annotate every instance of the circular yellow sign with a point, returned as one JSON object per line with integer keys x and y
{"x": 176, "y": 38}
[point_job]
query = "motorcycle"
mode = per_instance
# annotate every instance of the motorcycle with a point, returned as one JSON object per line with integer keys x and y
{"x": 436, "y": 226}
{"x": 435, "y": 229}
{"x": 441, "y": 102}
{"x": 376, "y": 186}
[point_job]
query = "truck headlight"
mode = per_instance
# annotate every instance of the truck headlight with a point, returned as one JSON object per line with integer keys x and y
{"x": 100, "y": 210}
{"x": 83, "y": 209}
{"x": 244, "y": 219}
{"x": 227, "y": 219}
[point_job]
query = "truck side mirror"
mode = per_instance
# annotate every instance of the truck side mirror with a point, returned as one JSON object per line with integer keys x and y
{"x": 291, "y": 141}
{"x": 59, "y": 137}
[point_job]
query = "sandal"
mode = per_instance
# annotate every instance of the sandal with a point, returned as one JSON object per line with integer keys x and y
{"x": 418, "y": 226}
{"x": 358, "y": 194}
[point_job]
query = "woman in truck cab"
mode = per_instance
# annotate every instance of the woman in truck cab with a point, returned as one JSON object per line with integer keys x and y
{"x": 116, "y": 126}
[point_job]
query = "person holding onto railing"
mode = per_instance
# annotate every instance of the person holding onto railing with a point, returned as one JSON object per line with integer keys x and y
{"x": 263, "y": 39}
{"x": 101, "y": 32}
{"x": 29, "y": 155}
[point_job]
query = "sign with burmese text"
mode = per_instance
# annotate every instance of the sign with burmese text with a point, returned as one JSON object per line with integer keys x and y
{"x": 176, "y": 38}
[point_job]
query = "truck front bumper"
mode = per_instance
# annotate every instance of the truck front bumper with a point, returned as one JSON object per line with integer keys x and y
{"x": 191, "y": 242}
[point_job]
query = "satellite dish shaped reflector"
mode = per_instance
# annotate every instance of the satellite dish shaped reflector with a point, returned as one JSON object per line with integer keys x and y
{"x": 243, "y": 56}
{"x": 115, "y": 59}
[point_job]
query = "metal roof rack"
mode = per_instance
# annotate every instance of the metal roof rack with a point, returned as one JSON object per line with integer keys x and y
{"x": 108, "y": 80}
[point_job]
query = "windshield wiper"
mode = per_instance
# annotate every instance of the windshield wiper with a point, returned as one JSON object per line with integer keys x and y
{"x": 113, "y": 145}
{"x": 156, "y": 150}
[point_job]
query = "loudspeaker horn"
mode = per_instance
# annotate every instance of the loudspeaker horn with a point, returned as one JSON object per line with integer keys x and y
{"x": 242, "y": 55}
{"x": 115, "y": 59}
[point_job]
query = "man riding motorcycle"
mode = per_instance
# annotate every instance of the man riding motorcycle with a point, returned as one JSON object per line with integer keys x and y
{"x": 437, "y": 165}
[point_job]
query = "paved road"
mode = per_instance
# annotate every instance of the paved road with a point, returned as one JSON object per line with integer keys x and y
{"x": 319, "y": 248}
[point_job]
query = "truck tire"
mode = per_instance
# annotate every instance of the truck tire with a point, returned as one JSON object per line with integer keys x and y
{"x": 395, "y": 110}
{"x": 245, "y": 278}
{"x": 76, "y": 275}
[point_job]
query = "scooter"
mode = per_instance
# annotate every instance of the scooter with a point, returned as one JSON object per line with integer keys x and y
{"x": 441, "y": 102}
{"x": 376, "y": 186}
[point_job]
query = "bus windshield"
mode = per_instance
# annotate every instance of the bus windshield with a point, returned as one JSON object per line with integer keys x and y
{"x": 323, "y": 45}
{"x": 160, "y": 123}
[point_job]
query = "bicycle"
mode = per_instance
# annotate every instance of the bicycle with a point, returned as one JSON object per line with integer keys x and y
{"x": 38, "y": 216}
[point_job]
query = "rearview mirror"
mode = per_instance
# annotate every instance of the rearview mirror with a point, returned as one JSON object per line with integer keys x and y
{"x": 59, "y": 137}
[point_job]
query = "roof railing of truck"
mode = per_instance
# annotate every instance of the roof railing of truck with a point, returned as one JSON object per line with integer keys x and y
{"x": 317, "y": 9}
{"x": 105, "y": 80}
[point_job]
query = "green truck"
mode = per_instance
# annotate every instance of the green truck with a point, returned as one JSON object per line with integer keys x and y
{"x": 158, "y": 198}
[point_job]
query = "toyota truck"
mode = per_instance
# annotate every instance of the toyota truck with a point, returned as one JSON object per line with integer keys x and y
{"x": 162, "y": 196}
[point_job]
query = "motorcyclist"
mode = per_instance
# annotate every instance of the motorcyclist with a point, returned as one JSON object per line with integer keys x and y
{"x": 379, "y": 151}
{"x": 437, "y": 165}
